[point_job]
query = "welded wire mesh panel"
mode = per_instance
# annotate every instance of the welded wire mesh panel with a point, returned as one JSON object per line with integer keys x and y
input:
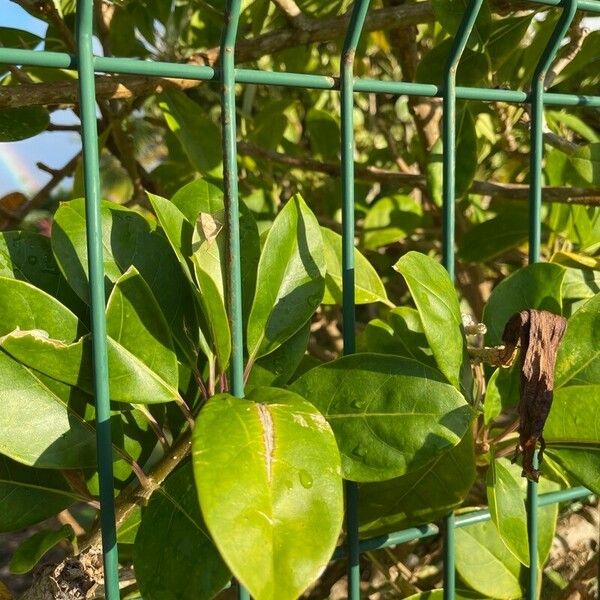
{"x": 347, "y": 85}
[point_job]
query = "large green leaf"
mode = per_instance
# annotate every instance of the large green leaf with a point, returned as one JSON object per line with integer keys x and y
{"x": 43, "y": 492}
{"x": 324, "y": 133}
{"x": 437, "y": 303}
{"x": 572, "y": 432}
{"x": 390, "y": 415}
{"x": 33, "y": 549}
{"x": 135, "y": 322}
{"x": 290, "y": 280}
{"x": 198, "y": 135}
{"x": 507, "y": 508}
{"x": 130, "y": 380}
{"x": 268, "y": 476}
{"x": 21, "y": 123}
{"x": 27, "y": 256}
{"x": 23, "y": 306}
{"x": 578, "y": 360}
{"x": 401, "y": 335}
{"x": 122, "y": 231}
{"x": 174, "y": 557}
{"x": 505, "y": 37}
{"x": 180, "y": 233}
{"x": 535, "y": 286}
{"x": 36, "y": 427}
{"x": 203, "y": 205}
{"x": 423, "y": 496}
{"x": 390, "y": 220}
{"x": 367, "y": 283}
{"x": 485, "y": 563}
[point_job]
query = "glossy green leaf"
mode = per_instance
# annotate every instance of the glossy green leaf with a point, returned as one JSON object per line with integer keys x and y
{"x": 390, "y": 415}
{"x": 422, "y": 496}
{"x": 503, "y": 391}
{"x": 437, "y": 303}
{"x": 198, "y": 135}
{"x": 174, "y": 556}
{"x": 43, "y": 491}
{"x": 507, "y": 508}
{"x": 291, "y": 278}
{"x": 582, "y": 279}
{"x": 276, "y": 369}
{"x": 367, "y": 283}
{"x": 586, "y": 161}
{"x": 535, "y": 286}
{"x": 16, "y": 38}
{"x": 390, "y": 220}
{"x": 199, "y": 196}
{"x": 21, "y": 123}
{"x": 578, "y": 360}
{"x": 127, "y": 530}
{"x": 268, "y": 476}
{"x": 130, "y": 380}
{"x": 61, "y": 439}
{"x": 401, "y": 335}
{"x": 485, "y": 563}
{"x": 23, "y": 306}
{"x": 33, "y": 549}
{"x": 121, "y": 235}
{"x": 27, "y": 256}
{"x": 180, "y": 233}
{"x": 572, "y": 432}
{"x": 135, "y": 322}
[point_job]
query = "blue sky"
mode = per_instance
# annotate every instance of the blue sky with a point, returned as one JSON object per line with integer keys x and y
{"x": 18, "y": 159}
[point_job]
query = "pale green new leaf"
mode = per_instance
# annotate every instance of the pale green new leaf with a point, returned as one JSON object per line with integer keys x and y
{"x": 269, "y": 481}
{"x": 33, "y": 549}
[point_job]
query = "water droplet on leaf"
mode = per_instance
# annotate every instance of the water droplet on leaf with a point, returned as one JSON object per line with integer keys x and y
{"x": 306, "y": 479}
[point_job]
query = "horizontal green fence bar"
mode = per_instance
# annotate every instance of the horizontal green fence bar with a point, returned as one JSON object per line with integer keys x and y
{"x": 464, "y": 520}
{"x": 132, "y": 66}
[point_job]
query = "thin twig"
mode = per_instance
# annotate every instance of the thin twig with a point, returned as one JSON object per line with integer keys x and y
{"x": 508, "y": 191}
{"x": 294, "y": 15}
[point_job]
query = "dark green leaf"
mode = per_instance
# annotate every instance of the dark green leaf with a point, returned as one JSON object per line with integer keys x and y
{"x": 174, "y": 556}
{"x": 450, "y": 13}
{"x": 43, "y": 492}
{"x": 535, "y": 286}
{"x": 505, "y": 38}
{"x": 199, "y": 136}
{"x": 402, "y": 335}
{"x": 423, "y": 496}
{"x": 22, "y": 123}
{"x": 587, "y": 163}
{"x": 324, "y": 133}
{"x": 33, "y": 549}
{"x": 390, "y": 415}
{"x": 268, "y": 475}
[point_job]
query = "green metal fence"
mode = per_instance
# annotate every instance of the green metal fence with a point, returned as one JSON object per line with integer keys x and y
{"x": 228, "y": 76}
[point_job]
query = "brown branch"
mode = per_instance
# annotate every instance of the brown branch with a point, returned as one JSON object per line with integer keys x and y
{"x": 578, "y": 35}
{"x": 508, "y": 191}
{"x": 66, "y": 93}
{"x": 294, "y": 15}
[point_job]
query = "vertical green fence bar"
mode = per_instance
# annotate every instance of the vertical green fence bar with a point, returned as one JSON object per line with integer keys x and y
{"x": 357, "y": 21}
{"x": 449, "y": 132}
{"x": 91, "y": 169}
{"x": 537, "y": 126}
{"x": 538, "y": 85}
{"x": 230, "y": 183}
{"x": 449, "y": 219}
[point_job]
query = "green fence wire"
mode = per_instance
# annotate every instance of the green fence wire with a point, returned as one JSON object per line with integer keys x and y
{"x": 87, "y": 65}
